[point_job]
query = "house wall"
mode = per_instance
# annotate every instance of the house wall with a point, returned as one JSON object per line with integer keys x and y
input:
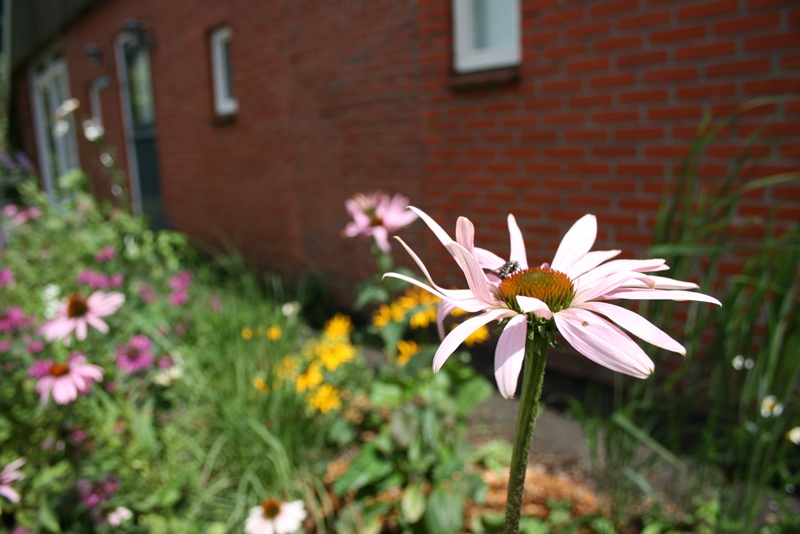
{"x": 338, "y": 97}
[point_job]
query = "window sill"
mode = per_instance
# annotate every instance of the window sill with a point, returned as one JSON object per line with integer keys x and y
{"x": 484, "y": 79}
{"x": 222, "y": 120}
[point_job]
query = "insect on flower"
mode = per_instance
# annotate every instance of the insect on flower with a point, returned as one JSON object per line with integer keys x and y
{"x": 506, "y": 270}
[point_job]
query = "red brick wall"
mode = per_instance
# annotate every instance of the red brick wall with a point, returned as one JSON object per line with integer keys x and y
{"x": 609, "y": 98}
{"x": 337, "y": 97}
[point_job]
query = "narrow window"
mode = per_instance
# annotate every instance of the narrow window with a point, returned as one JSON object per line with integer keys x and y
{"x": 222, "y": 72}
{"x": 486, "y": 34}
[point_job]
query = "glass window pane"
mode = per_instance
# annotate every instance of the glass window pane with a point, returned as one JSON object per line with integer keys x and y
{"x": 228, "y": 66}
{"x": 494, "y": 23}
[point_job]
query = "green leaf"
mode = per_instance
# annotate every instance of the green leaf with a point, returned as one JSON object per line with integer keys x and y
{"x": 471, "y": 393}
{"x": 47, "y": 518}
{"x": 366, "y": 468}
{"x": 383, "y": 394}
{"x": 444, "y": 513}
{"x": 533, "y": 525}
{"x": 403, "y": 429}
{"x": 412, "y": 504}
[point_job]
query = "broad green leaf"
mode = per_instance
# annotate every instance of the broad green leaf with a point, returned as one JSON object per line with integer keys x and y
{"x": 48, "y": 518}
{"x": 366, "y": 468}
{"x": 413, "y": 502}
{"x": 444, "y": 513}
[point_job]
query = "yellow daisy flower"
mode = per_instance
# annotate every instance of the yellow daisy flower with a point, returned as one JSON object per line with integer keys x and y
{"x": 287, "y": 369}
{"x": 333, "y": 355}
{"x": 260, "y": 384}
{"x": 310, "y": 379}
{"x": 478, "y": 336}
{"x": 325, "y": 399}
{"x": 274, "y": 333}
{"x": 338, "y": 327}
{"x": 405, "y": 351}
{"x": 247, "y": 333}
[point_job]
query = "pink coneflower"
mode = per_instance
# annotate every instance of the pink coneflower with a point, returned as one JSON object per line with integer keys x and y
{"x": 136, "y": 355}
{"x": 147, "y": 294}
{"x": 377, "y": 215}
{"x": 65, "y": 380}
{"x": 8, "y": 476}
{"x": 93, "y": 279}
{"x": 180, "y": 282}
{"x": 105, "y": 254}
{"x": 571, "y": 294}
{"x": 95, "y": 493}
{"x": 179, "y": 298}
{"x": 78, "y": 312}
{"x": 35, "y": 346}
{"x": 6, "y": 277}
{"x": 115, "y": 280}
{"x": 13, "y": 319}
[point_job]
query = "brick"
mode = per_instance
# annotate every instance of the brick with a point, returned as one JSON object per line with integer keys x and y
{"x": 564, "y": 118}
{"x": 640, "y": 97}
{"x": 588, "y": 168}
{"x": 563, "y": 152}
{"x": 670, "y": 152}
{"x": 679, "y": 34}
{"x": 521, "y": 152}
{"x": 674, "y": 112}
{"x": 590, "y": 100}
{"x": 705, "y": 50}
{"x": 561, "y": 85}
{"x": 706, "y": 91}
{"x": 653, "y": 132}
{"x": 790, "y": 62}
{"x": 559, "y": 18}
{"x": 613, "y": 80}
{"x": 772, "y": 86}
{"x": 585, "y": 30}
{"x": 614, "y": 151}
{"x": 642, "y": 58}
{"x": 640, "y": 169}
{"x": 748, "y": 24}
{"x": 538, "y": 137}
{"x": 616, "y": 116}
{"x": 610, "y": 8}
{"x": 644, "y": 21}
{"x": 543, "y": 167}
{"x": 529, "y": 120}
{"x": 582, "y": 65}
{"x": 555, "y": 52}
{"x": 540, "y": 37}
{"x": 775, "y": 41}
{"x": 707, "y": 9}
{"x": 738, "y": 68}
{"x": 617, "y": 43}
{"x": 585, "y": 135}
{"x": 671, "y": 75}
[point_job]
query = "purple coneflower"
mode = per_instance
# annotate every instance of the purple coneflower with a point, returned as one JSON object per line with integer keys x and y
{"x": 377, "y": 215}
{"x": 78, "y": 312}
{"x": 136, "y": 355}
{"x": 8, "y": 476}
{"x": 65, "y": 380}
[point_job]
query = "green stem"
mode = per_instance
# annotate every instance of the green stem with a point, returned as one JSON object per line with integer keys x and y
{"x": 532, "y": 380}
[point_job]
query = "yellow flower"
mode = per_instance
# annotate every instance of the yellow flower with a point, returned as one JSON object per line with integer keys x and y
{"x": 310, "y": 379}
{"x": 333, "y": 355}
{"x": 274, "y": 333}
{"x": 458, "y": 312}
{"x": 388, "y": 313}
{"x": 478, "y": 336}
{"x": 287, "y": 368}
{"x": 423, "y": 318}
{"x": 405, "y": 351}
{"x": 338, "y": 327}
{"x": 247, "y": 333}
{"x": 325, "y": 399}
{"x": 260, "y": 384}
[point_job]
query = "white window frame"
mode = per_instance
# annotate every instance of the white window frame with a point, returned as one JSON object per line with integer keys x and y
{"x": 467, "y": 57}
{"x": 224, "y": 104}
{"x": 54, "y": 151}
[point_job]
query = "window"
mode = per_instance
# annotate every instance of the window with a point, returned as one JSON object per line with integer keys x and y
{"x": 222, "y": 72}
{"x": 486, "y": 34}
{"x": 53, "y": 118}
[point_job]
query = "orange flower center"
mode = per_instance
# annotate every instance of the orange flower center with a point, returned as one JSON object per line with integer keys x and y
{"x": 76, "y": 306}
{"x": 59, "y": 369}
{"x": 554, "y": 288}
{"x": 271, "y": 508}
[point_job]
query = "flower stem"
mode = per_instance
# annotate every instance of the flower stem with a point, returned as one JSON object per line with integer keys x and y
{"x": 532, "y": 380}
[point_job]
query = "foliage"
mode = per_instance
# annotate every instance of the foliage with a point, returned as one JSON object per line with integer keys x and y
{"x": 727, "y": 409}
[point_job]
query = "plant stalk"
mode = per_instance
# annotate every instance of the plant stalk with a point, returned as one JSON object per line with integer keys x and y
{"x": 532, "y": 380}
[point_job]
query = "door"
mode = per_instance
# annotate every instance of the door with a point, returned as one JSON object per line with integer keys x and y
{"x": 139, "y": 118}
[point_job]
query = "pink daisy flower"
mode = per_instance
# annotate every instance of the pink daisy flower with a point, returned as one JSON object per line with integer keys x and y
{"x": 377, "y": 215}
{"x": 180, "y": 282}
{"x": 275, "y": 517}
{"x": 571, "y": 293}
{"x": 6, "y": 277}
{"x": 8, "y": 476}
{"x": 105, "y": 254}
{"x": 136, "y": 355}
{"x": 77, "y": 313}
{"x": 64, "y": 380}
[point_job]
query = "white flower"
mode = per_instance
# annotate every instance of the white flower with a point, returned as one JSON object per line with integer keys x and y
{"x": 167, "y": 376}
{"x": 118, "y": 516}
{"x": 51, "y": 301}
{"x": 770, "y": 407}
{"x": 275, "y": 517}
{"x": 793, "y": 435}
{"x": 290, "y": 309}
{"x": 92, "y": 130}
